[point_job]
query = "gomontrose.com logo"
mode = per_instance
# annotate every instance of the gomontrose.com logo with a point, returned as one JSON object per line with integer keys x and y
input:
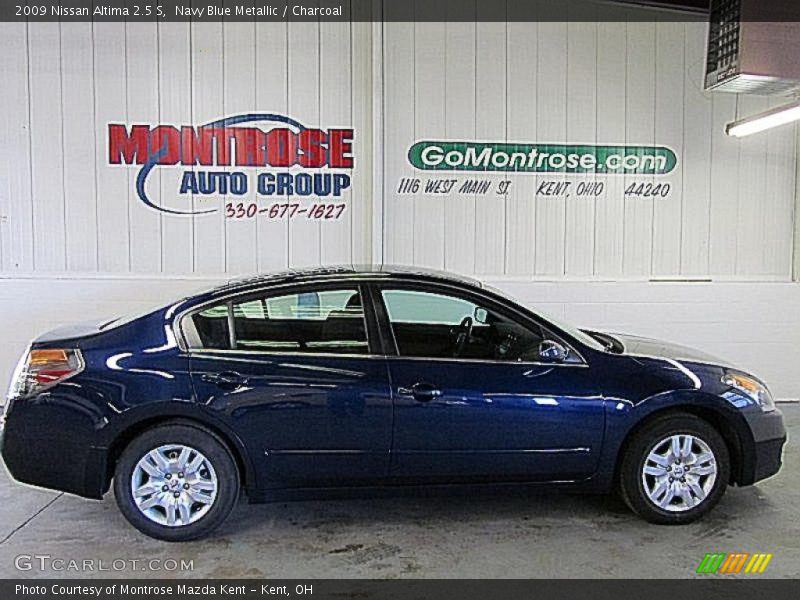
{"x": 542, "y": 158}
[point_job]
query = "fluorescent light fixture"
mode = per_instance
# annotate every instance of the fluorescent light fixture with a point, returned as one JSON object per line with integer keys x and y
{"x": 766, "y": 120}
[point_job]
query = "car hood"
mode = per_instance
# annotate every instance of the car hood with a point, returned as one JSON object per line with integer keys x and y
{"x": 643, "y": 346}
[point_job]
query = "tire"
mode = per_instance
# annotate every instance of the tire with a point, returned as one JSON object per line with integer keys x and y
{"x": 191, "y": 494}
{"x": 660, "y": 494}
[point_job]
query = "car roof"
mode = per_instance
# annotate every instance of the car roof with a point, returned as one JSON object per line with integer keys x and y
{"x": 344, "y": 272}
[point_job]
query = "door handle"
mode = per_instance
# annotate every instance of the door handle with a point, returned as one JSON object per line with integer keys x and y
{"x": 227, "y": 380}
{"x": 421, "y": 392}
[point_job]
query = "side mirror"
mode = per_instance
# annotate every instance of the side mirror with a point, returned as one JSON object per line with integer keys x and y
{"x": 552, "y": 351}
{"x": 481, "y": 315}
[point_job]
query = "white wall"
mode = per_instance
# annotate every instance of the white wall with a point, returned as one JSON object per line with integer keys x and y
{"x": 754, "y": 326}
{"x": 729, "y": 213}
{"x": 75, "y": 243}
{"x": 65, "y": 209}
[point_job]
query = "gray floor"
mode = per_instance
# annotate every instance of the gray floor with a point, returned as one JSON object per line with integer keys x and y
{"x": 500, "y": 536}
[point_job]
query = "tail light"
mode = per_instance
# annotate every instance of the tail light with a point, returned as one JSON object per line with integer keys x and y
{"x": 40, "y": 369}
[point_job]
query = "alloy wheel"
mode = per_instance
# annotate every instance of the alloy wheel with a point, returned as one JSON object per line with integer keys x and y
{"x": 679, "y": 472}
{"x": 174, "y": 485}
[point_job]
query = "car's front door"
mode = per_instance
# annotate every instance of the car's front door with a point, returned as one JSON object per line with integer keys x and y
{"x": 295, "y": 373}
{"x": 473, "y": 399}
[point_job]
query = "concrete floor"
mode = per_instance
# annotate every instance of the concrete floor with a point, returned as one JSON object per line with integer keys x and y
{"x": 483, "y": 537}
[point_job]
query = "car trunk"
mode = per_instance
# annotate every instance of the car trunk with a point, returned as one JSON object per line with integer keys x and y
{"x": 70, "y": 332}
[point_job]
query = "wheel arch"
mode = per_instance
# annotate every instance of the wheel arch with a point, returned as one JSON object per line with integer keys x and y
{"x": 231, "y": 441}
{"x": 722, "y": 421}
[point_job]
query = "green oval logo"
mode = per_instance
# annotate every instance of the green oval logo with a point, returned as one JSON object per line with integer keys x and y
{"x": 542, "y": 158}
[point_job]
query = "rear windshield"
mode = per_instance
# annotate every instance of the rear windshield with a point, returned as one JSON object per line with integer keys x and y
{"x": 129, "y": 318}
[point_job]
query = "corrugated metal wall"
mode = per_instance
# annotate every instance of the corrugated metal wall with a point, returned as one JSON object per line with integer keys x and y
{"x": 75, "y": 240}
{"x": 64, "y": 209}
{"x": 730, "y": 211}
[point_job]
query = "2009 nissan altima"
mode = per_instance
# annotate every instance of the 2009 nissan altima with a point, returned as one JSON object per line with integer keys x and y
{"x": 330, "y": 379}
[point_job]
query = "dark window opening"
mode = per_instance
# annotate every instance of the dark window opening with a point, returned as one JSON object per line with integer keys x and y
{"x": 329, "y": 321}
{"x": 430, "y": 325}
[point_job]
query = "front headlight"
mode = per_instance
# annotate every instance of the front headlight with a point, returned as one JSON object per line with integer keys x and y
{"x": 752, "y": 388}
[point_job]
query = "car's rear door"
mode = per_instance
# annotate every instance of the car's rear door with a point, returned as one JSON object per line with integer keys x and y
{"x": 296, "y": 373}
{"x": 487, "y": 410}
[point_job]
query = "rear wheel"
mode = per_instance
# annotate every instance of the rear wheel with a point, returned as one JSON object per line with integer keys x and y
{"x": 176, "y": 482}
{"x": 674, "y": 470}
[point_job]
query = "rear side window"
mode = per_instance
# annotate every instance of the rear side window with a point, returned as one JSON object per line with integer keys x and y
{"x": 211, "y": 326}
{"x": 329, "y": 321}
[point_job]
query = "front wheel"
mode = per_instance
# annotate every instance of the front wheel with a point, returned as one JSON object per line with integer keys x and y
{"x": 674, "y": 470}
{"x": 176, "y": 482}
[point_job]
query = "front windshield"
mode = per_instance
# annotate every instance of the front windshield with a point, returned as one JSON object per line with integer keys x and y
{"x": 571, "y": 330}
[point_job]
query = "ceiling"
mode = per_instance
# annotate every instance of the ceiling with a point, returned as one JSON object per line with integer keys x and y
{"x": 694, "y": 6}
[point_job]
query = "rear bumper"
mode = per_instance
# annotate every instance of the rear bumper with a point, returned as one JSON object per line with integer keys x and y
{"x": 53, "y": 458}
{"x": 766, "y": 456}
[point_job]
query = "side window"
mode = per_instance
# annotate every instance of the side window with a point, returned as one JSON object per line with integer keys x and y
{"x": 408, "y": 306}
{"x": 211, "y": 328}
{"x": 430, "y": 325}
{"x": 327, "y": 321}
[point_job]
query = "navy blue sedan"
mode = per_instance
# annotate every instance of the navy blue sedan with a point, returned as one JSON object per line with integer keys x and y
{"x": 349, "y": 379}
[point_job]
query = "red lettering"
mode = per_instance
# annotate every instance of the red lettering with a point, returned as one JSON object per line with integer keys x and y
{"x": 127, "y": 148}
{"x": 312, "y": 146}
{"x": 197, "y": 146}
{"x": 250, "y": 145}
{"x": 222, "y": 139}
{"x": 165, "y": 143}
{"x": 340, "y": 146}
{"x": 281, "y": 147}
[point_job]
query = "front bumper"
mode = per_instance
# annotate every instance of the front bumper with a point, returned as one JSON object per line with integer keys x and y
{"x": 764, "y": 458}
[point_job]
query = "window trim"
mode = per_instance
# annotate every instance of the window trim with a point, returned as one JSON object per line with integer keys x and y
{"x": 379, "y": 332}
{"x": 370, "y": 322}
{"x": 231, "y": 326}
{"x": 445, "y": 289}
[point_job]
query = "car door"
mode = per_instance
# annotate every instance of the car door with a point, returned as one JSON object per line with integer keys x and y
{"x": 485, "y": 406}
{"x": 295, "y": 373}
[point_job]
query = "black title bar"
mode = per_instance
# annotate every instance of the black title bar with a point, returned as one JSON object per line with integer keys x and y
{"x": 32, "y": 11}
{"x": 708, "y": 587}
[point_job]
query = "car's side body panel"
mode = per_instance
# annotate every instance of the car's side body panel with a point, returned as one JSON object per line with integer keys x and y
{"x": 310, "y": 421}
{"x": 305, "y": 420}
{"x": 495, "y": 421}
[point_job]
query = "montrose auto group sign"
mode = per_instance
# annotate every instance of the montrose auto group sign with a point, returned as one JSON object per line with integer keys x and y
{"x": 271, "y": 157}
